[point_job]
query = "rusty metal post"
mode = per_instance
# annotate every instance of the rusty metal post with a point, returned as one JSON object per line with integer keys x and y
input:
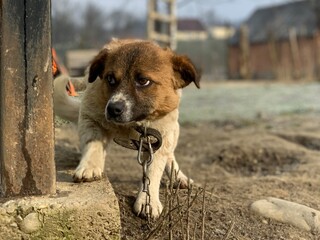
{"x": 26, "y": 116}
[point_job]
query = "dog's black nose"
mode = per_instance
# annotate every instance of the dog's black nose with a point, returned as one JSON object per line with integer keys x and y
{"x": 115, "y": 109}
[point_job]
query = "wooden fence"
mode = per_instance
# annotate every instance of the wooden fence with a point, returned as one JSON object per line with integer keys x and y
{"x": 282, "y": 59}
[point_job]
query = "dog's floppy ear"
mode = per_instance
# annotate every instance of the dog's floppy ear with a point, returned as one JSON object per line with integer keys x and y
{"x": 97, "y": 65}
{"x": 185, "y": 72}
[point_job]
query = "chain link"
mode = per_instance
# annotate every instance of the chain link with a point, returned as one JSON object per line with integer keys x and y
{"x": 145, "y": 162}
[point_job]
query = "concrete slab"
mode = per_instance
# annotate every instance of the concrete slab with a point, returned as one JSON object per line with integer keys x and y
{"x": 77, "y": 211}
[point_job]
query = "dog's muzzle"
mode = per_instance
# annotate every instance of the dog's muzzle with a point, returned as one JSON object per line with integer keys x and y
{"x": 115, "y": 110}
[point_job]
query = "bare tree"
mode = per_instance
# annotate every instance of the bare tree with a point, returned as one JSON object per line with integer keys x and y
{"x": 92, "y": 30}
{"x": 64, "y": 25}
{"x": 123, "y": 24}
{"x": 316, "y": 7}
{"x": 92, "y": 26}
{"x": 210, "y": 18}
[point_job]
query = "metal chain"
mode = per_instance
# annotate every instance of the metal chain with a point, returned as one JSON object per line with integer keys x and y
{"x": 149, "y": 142}
{"x": 145, "y": 162}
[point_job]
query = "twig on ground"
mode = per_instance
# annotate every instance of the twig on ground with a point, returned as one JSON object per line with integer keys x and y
{"x": 203, "y": 214}
{"x": 194, "y": 232}
{"x": 188, "y": 213}
{"x": 171, "y": 201}
{"x": 230, "y": 230}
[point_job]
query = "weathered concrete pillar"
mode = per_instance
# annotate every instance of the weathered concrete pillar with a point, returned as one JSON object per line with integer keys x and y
{"x": 26, "y": 116}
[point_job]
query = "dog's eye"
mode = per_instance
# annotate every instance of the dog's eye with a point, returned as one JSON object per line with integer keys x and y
{"x": 143, "y": 82}
{"x": 111, "y": 79}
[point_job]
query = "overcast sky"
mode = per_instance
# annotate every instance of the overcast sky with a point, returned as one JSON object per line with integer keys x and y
{"x": 230, "y": 10}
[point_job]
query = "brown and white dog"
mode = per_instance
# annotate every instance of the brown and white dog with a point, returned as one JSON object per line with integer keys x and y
{"x": 130, "y": 83}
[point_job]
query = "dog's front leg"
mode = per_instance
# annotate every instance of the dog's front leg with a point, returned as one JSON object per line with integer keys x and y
{"x": 91, "y": 166}
{"x": 153, "y": 174}
{"x": 172, "y": 167}
{"x": 173, "y": 171}
{"x": 93, "y": 140}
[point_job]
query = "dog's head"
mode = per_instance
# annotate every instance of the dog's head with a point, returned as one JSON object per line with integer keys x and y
{"x": 140, "y": 79}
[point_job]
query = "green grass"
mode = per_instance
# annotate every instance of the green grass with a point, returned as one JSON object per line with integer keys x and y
{"x": 247, "y": 100}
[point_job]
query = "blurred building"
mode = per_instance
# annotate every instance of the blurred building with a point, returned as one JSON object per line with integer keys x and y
{"x": 78, "y": 60}
{"x": 206, "y": 50}
{"x": 191, "y": 29}
{"x": 222, "y": 31}
{"x": 278, "y": 42}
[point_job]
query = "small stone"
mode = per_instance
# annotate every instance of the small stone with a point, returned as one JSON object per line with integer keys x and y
{"x": 21, "y": 202}
{"x": 2, "y": 211}
{"x": 292, "y": 213}
{"x": 6, "y": 204}
{"x": 55, "y": 206}
{"x": 11, "y": 208}
{"x": 25, "y": 209}
{"x": 5, "y": 219}
{"x": 19, "y": 218}
{"x": 14, "y": 225}
{"x": 42, "y": 206}
{"x": 31, "y": 223}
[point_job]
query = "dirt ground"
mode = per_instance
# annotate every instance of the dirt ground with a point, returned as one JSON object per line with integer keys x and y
{"x": 237, "y": 162}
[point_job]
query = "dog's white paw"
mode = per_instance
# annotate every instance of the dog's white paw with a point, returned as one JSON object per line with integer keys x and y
{"x": 140, "y": 206}
{"x": 182, "y": 181}
{"x": 87, "y": 174}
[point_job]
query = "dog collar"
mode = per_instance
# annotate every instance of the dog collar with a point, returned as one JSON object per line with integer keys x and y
{"x": 147, "y": 136}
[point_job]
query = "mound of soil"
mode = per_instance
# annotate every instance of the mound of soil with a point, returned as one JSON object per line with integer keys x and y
{"x": 258, "y": 155}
